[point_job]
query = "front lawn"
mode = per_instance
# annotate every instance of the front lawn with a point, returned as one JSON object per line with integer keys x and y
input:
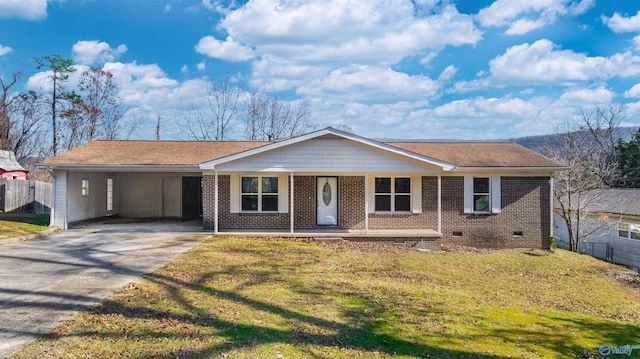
{"x": 236, "y": 298}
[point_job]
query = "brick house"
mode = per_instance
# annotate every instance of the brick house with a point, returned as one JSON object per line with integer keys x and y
{"x": 488, "y": 194}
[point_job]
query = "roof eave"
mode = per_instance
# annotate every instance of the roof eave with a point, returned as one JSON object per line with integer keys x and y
{"x": 119, "y": 167}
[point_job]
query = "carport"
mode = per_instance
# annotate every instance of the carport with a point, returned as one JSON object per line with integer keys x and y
{"x": 140, "y": 179}
{"x": 82, "y": 194}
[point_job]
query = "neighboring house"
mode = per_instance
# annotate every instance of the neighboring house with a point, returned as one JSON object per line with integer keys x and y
{"x": 610, "y": 226}
{"x": 9, "y": 166}
{"x": 488, "y": 194}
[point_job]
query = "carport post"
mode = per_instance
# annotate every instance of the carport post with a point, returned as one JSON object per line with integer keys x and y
{"x": 215, "y": 195}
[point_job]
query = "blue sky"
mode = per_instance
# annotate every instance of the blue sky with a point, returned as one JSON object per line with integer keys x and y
{"x": 421, "y": 69}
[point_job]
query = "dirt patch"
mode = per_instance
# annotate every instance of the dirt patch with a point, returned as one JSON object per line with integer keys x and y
{"x": 625, "y": 277}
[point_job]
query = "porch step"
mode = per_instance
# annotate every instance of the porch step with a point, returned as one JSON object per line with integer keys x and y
{"x": 328, "y": 239}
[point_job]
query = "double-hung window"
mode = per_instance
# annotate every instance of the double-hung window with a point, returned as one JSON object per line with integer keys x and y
{"x": 259, "y": 194}
{"x": 481, "y": 194}
{"x": 392, "y": 194}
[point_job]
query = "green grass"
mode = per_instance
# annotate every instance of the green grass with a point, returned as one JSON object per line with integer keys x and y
{"x": 15, "y": 225}
{"x": 238, "y": 298}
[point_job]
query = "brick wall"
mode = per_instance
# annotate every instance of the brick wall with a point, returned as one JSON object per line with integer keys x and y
{"x": 525, "y": 209}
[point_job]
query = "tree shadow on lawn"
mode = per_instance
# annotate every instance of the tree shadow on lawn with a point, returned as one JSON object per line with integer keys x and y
{"x": 360, "y": 330}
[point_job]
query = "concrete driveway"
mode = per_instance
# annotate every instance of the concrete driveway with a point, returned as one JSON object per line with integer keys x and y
{"x": 45, "y": 282}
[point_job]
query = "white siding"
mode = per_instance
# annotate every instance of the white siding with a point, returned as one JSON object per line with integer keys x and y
{"x": 142, "y": 195}
{"x": 327, "y": 156}
{"x": 625, "y": 251}
{"x": 84, "y": 207}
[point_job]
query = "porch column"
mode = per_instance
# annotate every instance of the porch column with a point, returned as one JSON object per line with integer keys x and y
{"x": 291, "y": 202}
{"x": 366, "y": 203}
{"x": 215, "y": 194}
{"x": 551, "y": 212}
{"x": 439, "y": 203}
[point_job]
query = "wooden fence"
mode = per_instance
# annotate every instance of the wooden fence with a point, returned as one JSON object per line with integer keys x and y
{"x": 25, "y": 196}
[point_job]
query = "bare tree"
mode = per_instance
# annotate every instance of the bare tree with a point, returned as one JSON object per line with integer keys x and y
{"x": 6, "y": 100}
{"x": 216, "y": 113}
{"x": 101, "y": 104}
{"x": 587, "y": 149}
{"x": 269, "y": 118}
{"x": 60, "y": 68}
{"x": 28, "y": 129}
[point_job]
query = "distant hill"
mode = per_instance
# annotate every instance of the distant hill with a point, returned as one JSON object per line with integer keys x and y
{"x": 537, "y": 142}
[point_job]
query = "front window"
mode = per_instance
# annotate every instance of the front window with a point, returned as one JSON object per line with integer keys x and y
{"x": 392, "y": 194}
{"x": 481, "y": 191}
{"x": 260, "y": 194}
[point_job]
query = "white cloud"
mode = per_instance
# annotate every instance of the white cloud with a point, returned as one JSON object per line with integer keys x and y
{"x": 202, "y": 65}
{"x": 585, "y": 97}
{"x": 229, "y": 50}
{"x": 365, "y": 83}
{"x": 523, "y": 26}
{"x": 619, "y": 23}
{"x": 90, "y": 52}
{"x": 184, "y": 70}
{"x": 23, "y": 9}
{"x": 633, "y": 92}
{"x": 524, "y": 16}
{"x": 167, "y": 8}
{"x": 5, "y": 50}
{"x": 543, "y": 63}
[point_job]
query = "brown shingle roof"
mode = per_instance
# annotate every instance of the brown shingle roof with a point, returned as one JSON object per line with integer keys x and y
{"x": 479, "y": 154}
{"x": 149, "y": 152}
{"x": 463, "y": 154}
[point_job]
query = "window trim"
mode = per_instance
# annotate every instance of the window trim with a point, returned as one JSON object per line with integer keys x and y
{"x": 260, "y": 194}
{"x": 392, "y": 194}
{"x": 495, "y": 189}
{"x": 487, "y": 194}
{"x": 84, "y": 187}
{"x": 109, "y": 186}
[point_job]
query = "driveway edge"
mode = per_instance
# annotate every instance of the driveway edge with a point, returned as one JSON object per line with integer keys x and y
{"x": 28, "y": 237}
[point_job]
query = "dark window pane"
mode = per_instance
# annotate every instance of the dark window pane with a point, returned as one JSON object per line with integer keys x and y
{"x": 481, "y": 203}
{"x": 249, "y": 184}
{"x": 623, "y": 234}
{"x": 249, "y": 202}
{"x": 383, "y": 185}
{"x": 403, "y": 185}
{"x": 403, "y": 203}
{"x": 481, "y": 185}
{"x": 383, "y": 203}
{"x": 269, "y": 184}
{"x": 635, "y": 231}
{"x": 270, "y": 203}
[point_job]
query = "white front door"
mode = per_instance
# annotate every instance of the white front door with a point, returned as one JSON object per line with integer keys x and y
{"x": 327, "y": 201}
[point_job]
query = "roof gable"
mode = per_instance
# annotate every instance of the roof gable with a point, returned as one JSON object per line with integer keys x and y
{"x": 8, "y": 162}
{"x": 330, "y": 133}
